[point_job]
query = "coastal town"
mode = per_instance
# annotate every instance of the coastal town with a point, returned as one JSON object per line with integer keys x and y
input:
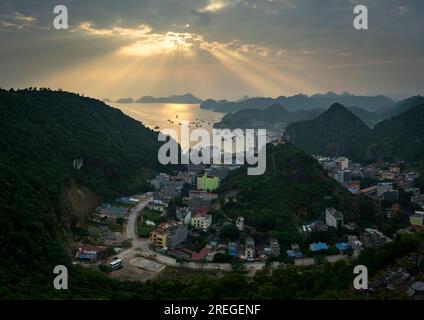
{"x": 173, "y": 224}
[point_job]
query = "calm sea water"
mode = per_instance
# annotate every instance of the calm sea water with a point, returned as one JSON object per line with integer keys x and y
{"x": 161, "y": 116}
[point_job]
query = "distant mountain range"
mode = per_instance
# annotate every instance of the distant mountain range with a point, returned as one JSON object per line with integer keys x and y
{"x": 273, "y": 116}
{"x": 301, "y": 102}
{"x": 185, "y": 98}
{"x": 338, "y": 131}
{"x": 125, "y": 100}
{"x": 281, "y": 116}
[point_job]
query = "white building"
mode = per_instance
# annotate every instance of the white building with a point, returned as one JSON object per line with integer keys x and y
{"x": 383, "y": 187}
{"x": 343, "y": 162}
{"x": 184, "y": 215}
{"x": 201, "y": 221}
{"x": 240, "y": 223}
{"x": 333, "y": 218}
{"x": 157, "y": 205}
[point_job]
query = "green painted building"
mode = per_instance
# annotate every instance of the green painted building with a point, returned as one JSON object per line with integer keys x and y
{"x": 417, "y": 219}
{"x": 207, "y": 182}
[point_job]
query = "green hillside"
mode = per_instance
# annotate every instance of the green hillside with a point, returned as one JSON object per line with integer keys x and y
{"x": 399, "y": 138}
{"x": 43, "y": 132}
{"x": 294, "y": 189}
{"x": 336, "y": 132}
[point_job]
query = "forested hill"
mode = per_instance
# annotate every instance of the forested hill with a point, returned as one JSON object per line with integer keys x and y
{"x": 336, "y": 132}
{"x": 294, "y": 189}
{"x": 274, "y": 115}
{"x": 42, "y": 133}
{"x": 400, "y": 137}
{"x": 339, "y": 132}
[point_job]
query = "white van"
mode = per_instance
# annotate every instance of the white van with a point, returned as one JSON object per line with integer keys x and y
{"x": 116, "y": 264}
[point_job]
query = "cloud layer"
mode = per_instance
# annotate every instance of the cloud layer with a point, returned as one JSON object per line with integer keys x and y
{"x": 219, "y": 48}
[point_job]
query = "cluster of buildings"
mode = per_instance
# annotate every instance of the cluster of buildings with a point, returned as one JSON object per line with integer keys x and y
{"x": 169, "y": 235}
{"x": 250, "y": 251}
{"x": 332, "y": 218}
{"x": 194, "y": 216}
{"x": 90, "y": 253}
{"x": 389, "y": 177}
{"x": 110, "y": 212}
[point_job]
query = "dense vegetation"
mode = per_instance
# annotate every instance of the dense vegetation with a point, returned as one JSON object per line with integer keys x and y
{"x": 336, "y": 132}
{"x": 43, "y": 132}
{"x": 400, "y": 137}
{"x": 294, "y": 189}
{"x": 340, "y": 132}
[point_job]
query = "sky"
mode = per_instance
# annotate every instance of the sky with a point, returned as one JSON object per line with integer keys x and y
{"x": 213, "y": 48}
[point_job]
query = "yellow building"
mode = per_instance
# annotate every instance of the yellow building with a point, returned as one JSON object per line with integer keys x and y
{"x": 417, "y": 219}
{"x": 169, "y": 234}
{"x": 158, "y": 238}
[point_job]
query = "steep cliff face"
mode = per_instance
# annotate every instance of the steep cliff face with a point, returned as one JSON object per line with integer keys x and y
{"x": 76, "y": 203}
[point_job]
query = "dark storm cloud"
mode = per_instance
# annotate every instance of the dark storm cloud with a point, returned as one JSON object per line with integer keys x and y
{"x": 318, "y": 34}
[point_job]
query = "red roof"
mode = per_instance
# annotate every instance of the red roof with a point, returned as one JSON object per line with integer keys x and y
{"x": 201, "y": 254}
{"x": 202, "y": 210}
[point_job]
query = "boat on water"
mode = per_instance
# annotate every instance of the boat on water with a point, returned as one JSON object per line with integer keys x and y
{"x": 157, "y": 128}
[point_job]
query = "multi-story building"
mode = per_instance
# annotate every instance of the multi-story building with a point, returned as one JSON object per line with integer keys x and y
{"x": 169, "y": 234}
{"x": 184, "y": 215}
{"x": 417, "y": 219}
{"x": 333, "y": 218}
{"x": 157, "y": 205}
{"x": 240, "y": 223}
{"x": 205, "y": 196}
{"x": 373, "y": 238}
{"x": 201, "y": 221}
{"x": 391, "y": 196}
{"x": 343, "y": 176}
{"x": 249, "y": 249}
{"x": 207, "y": 182}
{"x": 159, "y": 181}
{"x": 383, "y": 187}
{"x": 343, "y": 163}
{"x": 275, "y": 247}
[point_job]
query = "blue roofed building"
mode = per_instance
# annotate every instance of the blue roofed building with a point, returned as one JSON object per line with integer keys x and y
{"x": 107, "y": 210}
{"x": 232, "y": 249}
{"x": 342, "y": 246}
{"x": 318, "y": 246}
{"x": 294, "y": 254}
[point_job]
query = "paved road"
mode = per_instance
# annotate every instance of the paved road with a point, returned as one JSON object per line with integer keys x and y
{"x": 132, "y": 219}
{"x": 142, "y": 247}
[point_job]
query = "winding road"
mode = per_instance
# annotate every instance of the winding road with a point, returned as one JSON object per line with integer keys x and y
{"x": 141, "y": 247}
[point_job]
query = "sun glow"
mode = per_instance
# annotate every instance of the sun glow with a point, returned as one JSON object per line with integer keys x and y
{"x": 150, "y": 62}
{"x": 169, "y": 43}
